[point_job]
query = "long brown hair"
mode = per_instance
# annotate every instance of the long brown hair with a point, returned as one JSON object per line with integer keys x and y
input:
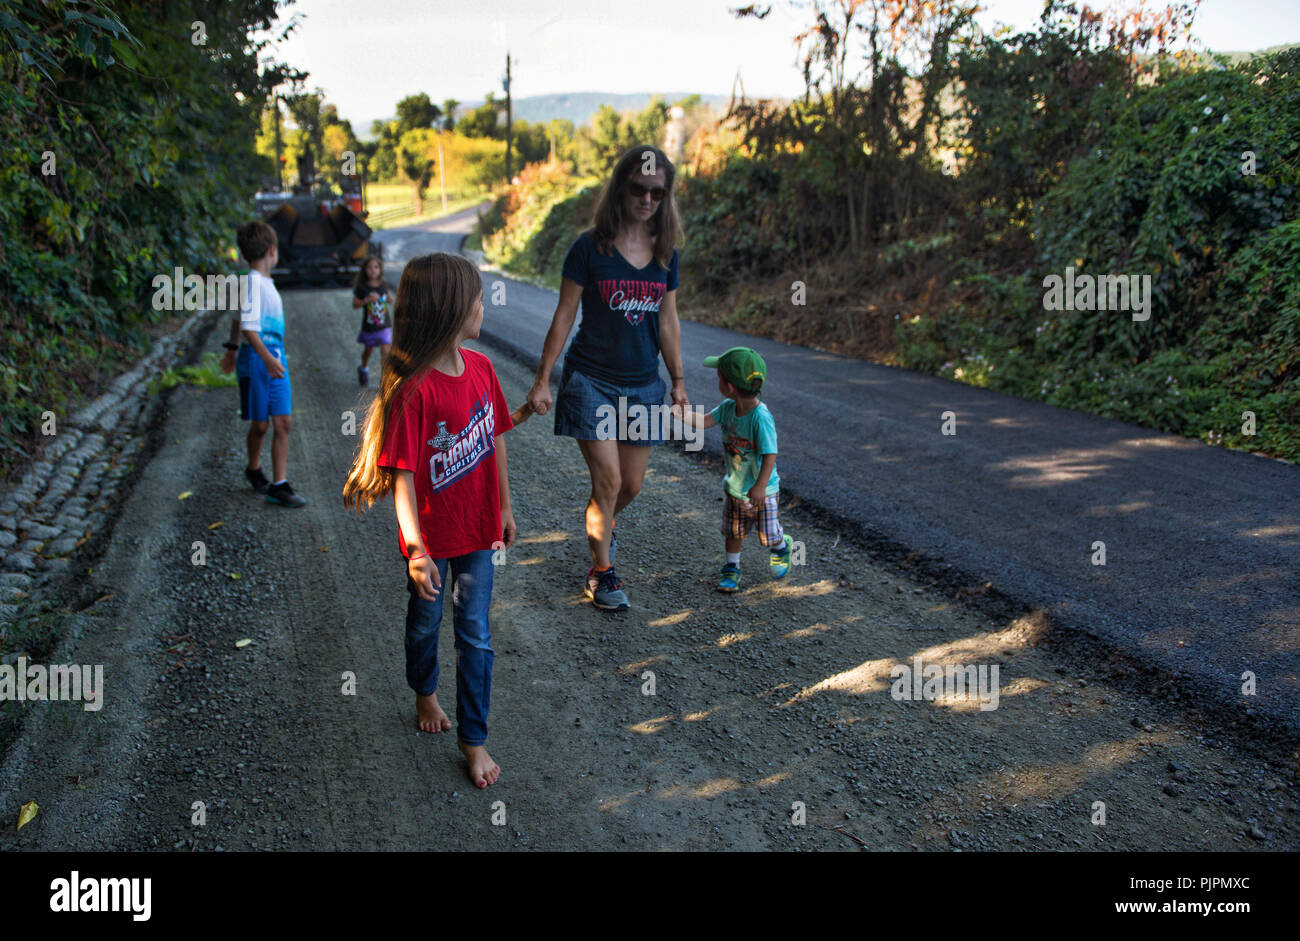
{"x": 435, "y": 297}
{"x": 665, "y": 225}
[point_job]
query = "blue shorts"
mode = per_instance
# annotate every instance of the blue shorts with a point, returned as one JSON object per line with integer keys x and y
{"x": 591, "y": 410}
{"x": 260, "y": 396}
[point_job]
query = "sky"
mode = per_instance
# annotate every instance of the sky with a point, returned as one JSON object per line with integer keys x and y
{"x": 366, "y": 56}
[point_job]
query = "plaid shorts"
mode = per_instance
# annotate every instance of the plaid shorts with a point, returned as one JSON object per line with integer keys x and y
{"x": 737, "y": 521}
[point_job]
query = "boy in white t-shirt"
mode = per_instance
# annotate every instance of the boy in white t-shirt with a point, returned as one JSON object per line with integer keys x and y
{"x": 263, "y": 367}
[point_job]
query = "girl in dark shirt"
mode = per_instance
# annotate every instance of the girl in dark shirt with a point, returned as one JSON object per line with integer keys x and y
{"x": 372, "y": 293}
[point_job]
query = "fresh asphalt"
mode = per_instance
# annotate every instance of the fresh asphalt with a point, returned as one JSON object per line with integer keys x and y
{"x": 1200, "y": 577}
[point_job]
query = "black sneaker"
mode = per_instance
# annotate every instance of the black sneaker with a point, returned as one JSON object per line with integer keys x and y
{"x": 257, "y": 479}
{"x": 283, "y": 494}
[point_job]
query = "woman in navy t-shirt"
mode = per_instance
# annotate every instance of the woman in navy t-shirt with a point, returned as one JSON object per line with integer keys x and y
{"x": 623, "y": 270}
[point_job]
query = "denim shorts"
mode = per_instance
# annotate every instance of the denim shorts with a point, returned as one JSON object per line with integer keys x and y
{"x": 591, "y": 410}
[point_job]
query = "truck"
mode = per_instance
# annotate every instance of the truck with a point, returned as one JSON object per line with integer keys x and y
{"x": 322, "y": 233}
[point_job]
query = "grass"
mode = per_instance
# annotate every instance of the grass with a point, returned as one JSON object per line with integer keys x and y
{"x": 207, "y": 374}
{"x": 382, "y": 197}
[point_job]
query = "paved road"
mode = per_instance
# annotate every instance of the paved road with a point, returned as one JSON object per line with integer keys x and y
{"x": 1201, "y": 573}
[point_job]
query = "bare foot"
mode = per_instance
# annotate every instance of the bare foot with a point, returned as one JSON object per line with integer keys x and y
{"x": 429, "y": 715}
{"x": 482, "y": 769}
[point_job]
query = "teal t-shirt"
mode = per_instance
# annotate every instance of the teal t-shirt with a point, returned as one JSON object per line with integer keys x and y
{"x": 745, "y": 439}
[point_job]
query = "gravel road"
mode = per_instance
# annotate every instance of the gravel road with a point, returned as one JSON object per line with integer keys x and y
{"x": 768, "y": 708}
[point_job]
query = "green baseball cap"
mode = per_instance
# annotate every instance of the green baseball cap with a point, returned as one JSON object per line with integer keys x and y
{"x": 740, "y": 366}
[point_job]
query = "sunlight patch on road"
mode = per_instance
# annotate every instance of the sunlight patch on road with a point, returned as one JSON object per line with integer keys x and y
{"x": 651, "y": 726}
{"x": 1273, "y": 532}
{"x": 669, "y": 620}
{"x": 642, "y": 664}
{"x": 697, "y": 716}
{"x": 812, "y": 630}
{"x": 1102, "y": 512}
{"x": 773, "y": 779}
{"x": 554, "y": 535}
{"x": 726, "y": 640}
{"x": 1063, "y": 467}
{"x": 869, "y": 677}
{"x": 1053, "y": 781}
{"x": 705, "y": 791}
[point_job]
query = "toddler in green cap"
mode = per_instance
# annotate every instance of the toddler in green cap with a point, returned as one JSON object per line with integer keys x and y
{"x": 749, "y": 447}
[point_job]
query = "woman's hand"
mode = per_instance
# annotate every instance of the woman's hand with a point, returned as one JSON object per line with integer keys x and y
{"x": 680, "y": 399}
{"x": 539, "y": 397}
{"x": 425, "y": 575}
{"x": 228, "y": 361}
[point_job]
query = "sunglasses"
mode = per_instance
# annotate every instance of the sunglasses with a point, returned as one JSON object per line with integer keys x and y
{"x": 657, "y": 193}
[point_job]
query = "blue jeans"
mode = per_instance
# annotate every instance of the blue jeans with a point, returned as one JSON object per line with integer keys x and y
{"x": 471, "y": 594}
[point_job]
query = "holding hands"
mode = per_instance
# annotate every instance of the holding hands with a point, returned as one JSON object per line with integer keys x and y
{"x": 539, "y": 397}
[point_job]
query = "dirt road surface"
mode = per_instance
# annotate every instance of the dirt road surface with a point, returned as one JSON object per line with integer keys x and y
{"x": 695, "y": 721}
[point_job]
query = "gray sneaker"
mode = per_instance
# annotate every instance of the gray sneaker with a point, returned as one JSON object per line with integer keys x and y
{"x": 284, "y": 495}
{"x": 605, "y": 590}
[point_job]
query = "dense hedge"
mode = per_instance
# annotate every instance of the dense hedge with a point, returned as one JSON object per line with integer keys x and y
{"x": 1162, "y": 193}
{"x": 1112, "y": 178}
{"x": 529, "y": 229}
{"x": 126, "y": 150}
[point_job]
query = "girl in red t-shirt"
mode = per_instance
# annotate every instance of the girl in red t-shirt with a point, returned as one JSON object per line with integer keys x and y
{"x": 433, "y": 438}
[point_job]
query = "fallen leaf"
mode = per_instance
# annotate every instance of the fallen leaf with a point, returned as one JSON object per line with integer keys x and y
{"x": 234, "y": 575}
{"x": 324, "y": 548}
{"x": 243, "y": 643}
{"x": 186, "y": 495}
{"x": 27, "y": 814}
{"x": 217, "y": 525}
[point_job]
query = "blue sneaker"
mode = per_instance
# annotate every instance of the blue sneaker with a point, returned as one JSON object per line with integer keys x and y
{"x": 605, "y": 589}
{"x": 730, "y": 581}
{"x": 780, "y": 559}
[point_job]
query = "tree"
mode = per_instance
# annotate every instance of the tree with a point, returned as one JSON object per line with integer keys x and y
{"x": 449, "y": 107}
{"x": 416, "y": 112}
{"x": 415, "y": 162}
{"x": 484, "y": 121}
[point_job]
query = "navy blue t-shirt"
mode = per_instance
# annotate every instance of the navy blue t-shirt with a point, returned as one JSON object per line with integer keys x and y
{"x": 618, "y": 335}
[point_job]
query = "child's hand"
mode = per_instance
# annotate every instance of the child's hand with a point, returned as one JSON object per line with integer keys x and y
{"x": 757, "y": 494}
{"x": 372, "y": 297}
{"x": 425, "y": 575}
{"x": 522, "y": 413}
{"x": 274, "y": 367}
{"x": 508, "y": 529}
{"x": 228, "y": 361}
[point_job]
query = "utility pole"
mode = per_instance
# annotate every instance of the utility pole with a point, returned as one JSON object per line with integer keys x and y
{"x": 509, "y": 120}
{"x": 279, "y": 164}
{"x": 442, "y": 179}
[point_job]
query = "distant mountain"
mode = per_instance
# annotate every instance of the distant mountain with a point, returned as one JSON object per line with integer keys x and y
{"x": 578, "y": 107}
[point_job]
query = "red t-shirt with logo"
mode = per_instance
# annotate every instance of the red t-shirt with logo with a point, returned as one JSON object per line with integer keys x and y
{"x": 442, "y": 428}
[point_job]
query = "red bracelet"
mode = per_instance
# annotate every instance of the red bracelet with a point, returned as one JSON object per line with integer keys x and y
{"x": 412, "y": 558}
